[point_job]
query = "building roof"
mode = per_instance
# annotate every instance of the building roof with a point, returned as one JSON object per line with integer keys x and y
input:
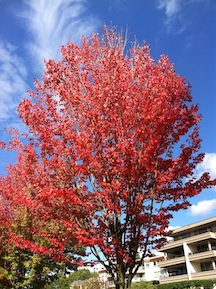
{"x": 153, "y": 258}
{"x": 193, "y": 225}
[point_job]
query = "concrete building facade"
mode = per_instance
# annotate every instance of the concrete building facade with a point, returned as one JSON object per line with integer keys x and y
{"x": 148, "y": 271}
{"x": 191, "y": 255}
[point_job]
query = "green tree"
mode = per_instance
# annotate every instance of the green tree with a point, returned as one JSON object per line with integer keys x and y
{"x": 20, "y": 267}
{"x": 64, "y": 282}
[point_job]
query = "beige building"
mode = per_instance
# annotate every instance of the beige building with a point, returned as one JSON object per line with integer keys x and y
{"x": 148, "y": 271}
{"x": 191, "y": 254}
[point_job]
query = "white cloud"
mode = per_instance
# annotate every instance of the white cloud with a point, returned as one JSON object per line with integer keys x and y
{"x": 203, "y": 208}
{"x": 12, "y": 81}
{"x": 173, "y": 14}
{"x": 171, "y": 6}
{"x": 176, "y": 20}
{"x": 173, "y": 228}
{"x": 53, "y": 23}
{"x": 50, "y": 24}
{"x": 207, "y": 165}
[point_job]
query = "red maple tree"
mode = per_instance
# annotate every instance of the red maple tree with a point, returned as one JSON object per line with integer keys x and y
{"x": 113, "y": 146}
{"x": 31, "y": 220}
{"x": 28, "y": 243}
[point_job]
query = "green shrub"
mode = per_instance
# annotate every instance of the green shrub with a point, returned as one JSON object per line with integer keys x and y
{"x": 64, "y": 282}
{"x": 143, "y": 285}
{"x": 195, "y": 284}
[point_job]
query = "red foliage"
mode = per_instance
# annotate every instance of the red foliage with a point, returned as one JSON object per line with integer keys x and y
{"x": 31, "y": 207}
{"x": 102, "y": 163}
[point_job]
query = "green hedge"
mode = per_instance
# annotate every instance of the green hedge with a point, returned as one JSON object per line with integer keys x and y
{"x": 195, "y": 284}
{"x": 144, "y": 285}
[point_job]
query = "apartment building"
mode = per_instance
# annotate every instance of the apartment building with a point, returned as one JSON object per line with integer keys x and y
{"x": 191, "y": 255}
{"x": 148, "y": 271}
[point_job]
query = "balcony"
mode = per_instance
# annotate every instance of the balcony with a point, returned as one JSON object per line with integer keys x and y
{"x": 109, "y": 284}
{"x": 189, "y": 240}
{"x": 171, "y": 262}
{"x": 176, "y": 278}
{"x": 202, "y": 255}
{"x": 204, "y": 275}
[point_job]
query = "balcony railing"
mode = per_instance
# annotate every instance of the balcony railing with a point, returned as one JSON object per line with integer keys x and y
{"x": 204, "y": 275}
{"x": 109, "y": 284}
{"x": 171, "y": 262}
{"x": 175, "y": 278}
{"x": 202, "y": 255}
{"x": 189, "y": 240}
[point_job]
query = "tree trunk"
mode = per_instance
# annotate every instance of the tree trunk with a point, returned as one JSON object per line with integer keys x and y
{"x": 123, "y": 283}
{"x": 129, "y": 279}
{"x": 120, "y": 285}
{"x": 120, "y": 282}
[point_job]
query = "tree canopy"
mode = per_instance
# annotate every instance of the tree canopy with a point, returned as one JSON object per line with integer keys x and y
{"x": 112, "y": 146}
{"x": 21, "y": 267}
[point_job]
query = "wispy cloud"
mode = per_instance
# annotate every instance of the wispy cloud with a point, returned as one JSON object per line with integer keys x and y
{"x": 12, "y": 81}
{"x": 176, "y": 20}
{"x": 203, "y": 208}
{"x": 52, "y": 23}
{"x": 171, "y": 7}
{"x": 173, "y": 13}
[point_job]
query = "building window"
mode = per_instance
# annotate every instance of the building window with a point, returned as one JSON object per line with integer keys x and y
{"x": 184, "y": 236}
{"x": 206, "y": 266}
{"x": 213, "y": 246}
{"x": 177, "y": 272}
{"x": 202, "y": 248}
{"x": 210, "y": 229}
{"x": 200, "y": 231}
{"x": 203, "y": 230}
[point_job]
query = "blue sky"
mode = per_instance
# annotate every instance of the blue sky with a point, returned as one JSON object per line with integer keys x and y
{"x": 185, "y": 30}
